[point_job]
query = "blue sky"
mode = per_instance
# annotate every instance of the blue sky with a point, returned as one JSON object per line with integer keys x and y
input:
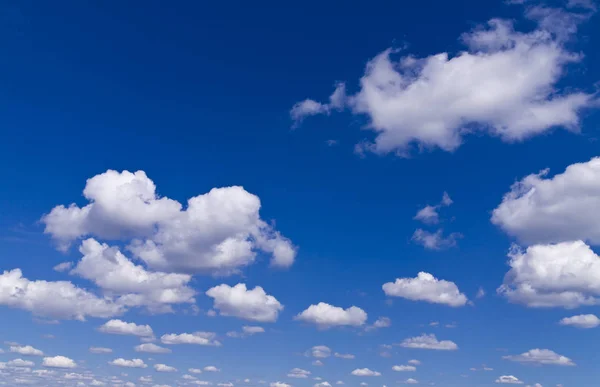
{"x": 420, "y": 190}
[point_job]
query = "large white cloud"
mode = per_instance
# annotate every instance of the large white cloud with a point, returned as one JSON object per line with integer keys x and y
{"x": 238, "y": 301}
{"x": 56, "y": 299}
{"x": 560, "y": 275}
{"x": 504, "y": 83}
{"x": 429, "y": 342}
{"x": 197, "y": 338}
{"x": 541, "y": 209}
{"x": 119, "y": 327}
{"x": 217, "y": 231}
{"x": 541, "y": 356}
{"x": 425, "y": 287}
{"x": 325, "y": 315}
{"x": 117, "y": 275}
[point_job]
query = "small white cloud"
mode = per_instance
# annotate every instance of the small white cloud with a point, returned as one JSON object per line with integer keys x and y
{"x": 435, "y": 240}
{"x": 151, "y": 348}
{"x": 429, "y": 342}
{"x": 59, "y": 362}
{"x": 411, "y": 381}
{"x": 298, "y": 373}
{"x": 365, "y": 372}
{"x": 404, "y": 368}
{"x": 414, "y": 362}
{"x": 581, "y": 321}
{"x": 64, "y": 266}
{"x": 317, "y": 363}
{"x": 133, "y": 363}
{"x": 238, "y": 301}
{"x": 20, "y": 363}
{"x": 197, "y": 338}
{"x": 425, "y": 287}
{"x": 211, "y": 369}
{"x": 508, "y": 379}
{"x": 279, "y": 384}
{"x": 541, "y": 356}
{"x": 320, "y": 351}
{"x": 26, "y": 350}
{"x": 195, "y": 370}
{"x": 164, "y": 368}
{"x": 325, "y": 315}
{"x": 344, "y": 355}
{"x": 118, "y": 327}
{"x": 100, "y": 350}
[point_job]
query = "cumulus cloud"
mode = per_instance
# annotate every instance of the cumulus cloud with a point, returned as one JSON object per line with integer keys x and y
{"x": 197, "y": 338}
{"x": 508, "y": 379}
{"x": 55, "y": 299}
{"x": 112, "y": 271}
{"x": 238, "y": 301}
{"x": 585, "y": 321}
{"x": 541, "y": 356}
{"x": 220, "y": 231}
{"x": 320, "y": 351}
{"x": 541, "y": 210}
{"x": 325, "y": 315}
{"x": 26, "y": 350}
{"x": 365, "y": 372}
{"x": 404, "y": 368}
{"x": 429, "y": 342}
{"x": 133, "y": 363}
{"x": 164, "y": 368}
{"x": 119, "y": 327}
{"x": 565, "y": 275}
{"x": 435, "y": 240}
{"x": 211, "y": 369}
{"x": 59, "y": 362}
{"x": 435, "y": 101}
{"x": 151, "y": 348}
{"x": 425, "y": 287}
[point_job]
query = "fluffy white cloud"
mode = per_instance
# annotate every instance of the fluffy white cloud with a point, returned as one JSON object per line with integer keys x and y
{"x": 20, "y": 363}
{"x": 541, "y": 356}
{"x": 133, "y": 363}
{"x": 26, "y": 350}
{"x": 404, "y": 368}
{"x": 151, "y": 348}
{"x": 325, "y": 315}
{"x": 508, "y": 379}
{"x": 56, "y": 299}
{"x": 197, "y": 338}
{"x": 298, "y": 373}
{"x": 118, "y": 327}
{"x": 211, "y": 369}
{"x": 560, "y": 275}
{"x": 435, "y": 240}
{"x": 100, "y": 350}
{"x": 319, "y": 351}
{"x": 217, "y": 231}
{"x": 238, "y": 301}
{"x": 435, "y": 100}
{"x": 365, "y": 372}
{"x": 164, "y": 368}
{"x": 425, "y": 287}
{"x": 581, "y": 321}
{"x": 344, "y": 355}
{"x": 566, "y": 207}
{"x": 116, "y": 274}
{"x": 59, "y": 362}
{"x": 428, "y": 342}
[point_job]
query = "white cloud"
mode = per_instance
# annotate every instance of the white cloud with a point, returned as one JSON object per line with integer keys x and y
{"x": 56, "y": 299}
{"x": 429, "y": 214}
{"x": 404, "y": 368}
{"x": 195, "y": 370}
{"x": 238, "y": 301}
{"x": 220, "y": 231}
{"x": 309, "y": 107}
{"x": 133, "y": 363}
{"x": 100, "y": 350}
{"x": 414, "y": 362}
{"x": 581, "y": 321}
{"x": 112, "y": 271}
{"x": 425, "y": 287}
{"x": 279, "y": 384}
{"x": 151, "y": 348}
{"x": 383, "y": 322}
{"x": 541, "y": 356}
{"x": 228, "y": 384}
{"x": 561, "y": 275}
{"x": 20, "y": 363}
{"x": 365, "y": 372}
{"x": 508, "y": 379}
{"x": 64, "y": 266}
{"x": 119, "y": 327}
{"x": 164, "y": 368}
{"x": 26, "y": 350}
{"x": 298, "y": 373}
{"x": 59, "y": 362}
{"x": 344, "y": 355}
{"x": 198, "y": 338}
{"x": 317, "y": 363}
{"x": 541, "y": 209}
{"x": 435, "y": 240}
{"x": 320, "y": 351}
{"x": 322, "y": 384}
{"x": 325, "y": 315}
{"x": 429, "y": 342}
{"x": 411, "y": 381}
{"x": 435, "y": 101}
{"x": 211, "y": 369}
